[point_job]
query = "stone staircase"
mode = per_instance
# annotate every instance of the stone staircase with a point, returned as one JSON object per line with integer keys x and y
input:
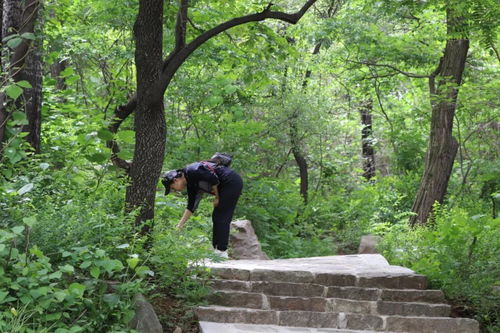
{"x": 357, "y": 293}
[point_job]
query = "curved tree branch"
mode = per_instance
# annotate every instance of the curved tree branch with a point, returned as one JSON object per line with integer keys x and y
{"x": 121, "y": 113}
{"x": 176, "y": 59}
{"x": 413, "y": 75}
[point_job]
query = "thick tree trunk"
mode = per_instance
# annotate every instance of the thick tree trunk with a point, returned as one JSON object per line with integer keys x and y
{"x": 442, "y": 145}
{"x": 367, "y": 150}
{"x": 32, "y": 72}
{"x": 150, "y": 125}
{"x": 25, "y": 64}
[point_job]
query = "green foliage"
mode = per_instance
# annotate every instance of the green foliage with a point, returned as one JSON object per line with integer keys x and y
{"x": 459, "y": 253}
{"x": 84, "y": 290}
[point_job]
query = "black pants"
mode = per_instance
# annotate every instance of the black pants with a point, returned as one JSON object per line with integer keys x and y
{"x": 229, "y": 193}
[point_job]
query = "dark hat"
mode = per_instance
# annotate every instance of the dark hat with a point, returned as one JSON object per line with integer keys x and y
{"x": 167, "y": 178}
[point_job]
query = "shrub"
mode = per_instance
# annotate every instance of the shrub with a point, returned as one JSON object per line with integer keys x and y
{"x": 88, "y": 291}
{"x": 459, "y": 253}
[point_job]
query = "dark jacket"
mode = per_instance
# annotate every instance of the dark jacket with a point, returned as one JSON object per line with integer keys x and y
{"x": 201, "y": 176}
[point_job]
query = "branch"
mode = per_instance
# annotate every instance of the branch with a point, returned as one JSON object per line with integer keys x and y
{"x": 176, "y": 59}
{"x": 180, "y": 26}
{"x": 121, "y": 113}
{"x": 308, "y": 71}
{"x": 408, "y": 74}
{"x": 432, "y": 79}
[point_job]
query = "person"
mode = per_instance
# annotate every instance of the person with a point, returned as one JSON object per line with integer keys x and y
{"x": 217, "y": 179}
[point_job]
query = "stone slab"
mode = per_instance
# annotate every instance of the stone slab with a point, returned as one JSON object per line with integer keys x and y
{"x": 431, "y": 325}
{"x": 209, "y": 327}
{"x": 369, "y": 265}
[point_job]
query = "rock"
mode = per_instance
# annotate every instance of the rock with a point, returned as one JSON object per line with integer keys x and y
{"x": 145, "y": 319}
{"x": 368, "y": 244}
{"x": 178, "y": 330}
{"x": 244, "y": 242}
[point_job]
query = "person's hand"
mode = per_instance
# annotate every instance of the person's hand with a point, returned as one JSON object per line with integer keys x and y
{"x": 216, "y": 202}
{"x": 179, "y": 226}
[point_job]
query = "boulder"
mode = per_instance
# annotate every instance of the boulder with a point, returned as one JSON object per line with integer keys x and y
{"x": 145, "y": 319}
{"x": 244, "y": 243}
{"x": 368, "y": 244}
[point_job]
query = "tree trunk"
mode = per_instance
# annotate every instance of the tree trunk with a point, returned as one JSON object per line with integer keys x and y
{"x": 150, "y": 128}
{"x": 25, "y": 64}
{"x": 367, "y": 150}
{"x": 32, "y": 73}
{"x": 442, "y": 145}
{"x": 299, "y": 156}
{"x": 55, "y": 70}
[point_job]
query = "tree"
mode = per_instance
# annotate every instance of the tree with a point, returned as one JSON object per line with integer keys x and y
{"x": 442, "y": 145}
{"x": 153, "y": 78}
{"x": 24, "y": 65}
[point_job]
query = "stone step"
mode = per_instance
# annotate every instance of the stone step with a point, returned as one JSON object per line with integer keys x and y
{"x": 380, "y": 280}
{"x": 243, "y": 299}
{"x": 316, "y": 290}
{"x": 340, "y": 320}
{"x": 210, "y": 327}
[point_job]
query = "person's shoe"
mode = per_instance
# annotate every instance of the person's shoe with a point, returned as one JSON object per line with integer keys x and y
{"x": 221, "y": 254}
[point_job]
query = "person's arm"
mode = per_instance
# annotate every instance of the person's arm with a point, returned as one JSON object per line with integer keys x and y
{"x": 187, "y": 214}
{"x": 215, "y": 191}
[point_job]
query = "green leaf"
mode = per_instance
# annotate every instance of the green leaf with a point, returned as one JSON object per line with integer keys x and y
{"x": 56, "y": 275}
{"x": 215, "y": 100}
{"x": 14, "y": 42}
{"x": 95, "y": 272}
{"x": 67, "y": 269}
{"x": 111, "y": 299}
{"x": 97, "y": 157}
{"x": 13, "y": 91}
{"x": 53, "y": 316}
{"x": 3, "y": 295}
{"x": 41, "y": 291}
{"x": 85, "y": 264}
{"x": 29, "y": 221}
{"x": 126, "y": 136}
{"x": 24, "y": 84}
{"x": 132, "y": 262}
{"x": 28, "y": 35}
{"x": 125, "y": 155}
{"x": 75, "y": 329}
{"x": 143, "y": 271}
{"x": 19, "y": 118}
{"x": 77, "y": 289}
{"x": 25, "y": 189}
{"x": 18, "y": 230}
{"x": 104, "y": 134}
{"x": 67, "y": 72}
{"x": 60, "y": 295}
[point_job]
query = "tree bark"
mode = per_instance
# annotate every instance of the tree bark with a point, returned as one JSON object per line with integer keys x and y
{"x": 24, "y": 64}
{"x": 299, "y": 156}
{"x": 367, "y": 150}
{"x": 32, "y": 72}
{"x": 150, "y": 127}
{"x": 55, "y": 70}
{"x": 443, "y": 146}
